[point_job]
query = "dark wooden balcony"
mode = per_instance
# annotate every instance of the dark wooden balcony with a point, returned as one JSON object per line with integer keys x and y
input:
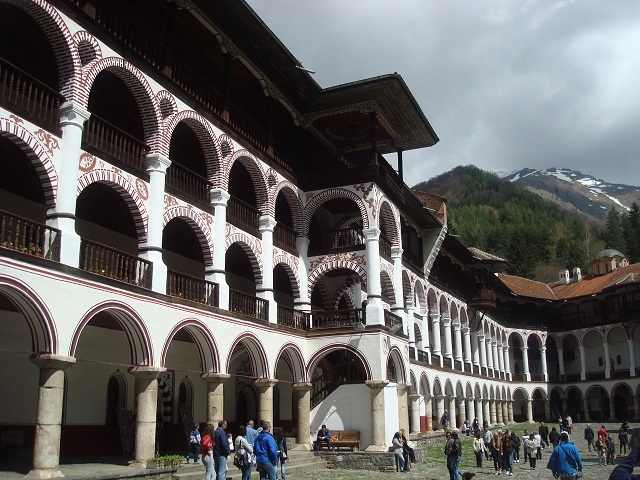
{"x": 537, "y": 377}
{"x": 290, "y": 317}
{"x": 188, "y": 184}
{"x": 243, "y": 216}
{"x": 423, "y": 357}
{"x": 109, "y": 142}
{"x": 112, "y": 263}
{"x": 393, "y": 322}
{"x": 29, "y": 98}
{"x": 385, "y": 247}
{"x": 285, "y": 237}
{"x": 413, "y": 261}
{"x": 518, "y": 377}
{"x": 593, "y": 376}
{"x": 353, "y": 317}
{"x": 29, "y": 237}
{"x": 192, "y": 288}
{"x": 248, "y": 305}
{"x": 336, "y": 240}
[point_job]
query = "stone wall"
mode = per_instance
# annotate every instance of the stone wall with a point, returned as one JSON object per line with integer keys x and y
{"x": 376, "y": 461}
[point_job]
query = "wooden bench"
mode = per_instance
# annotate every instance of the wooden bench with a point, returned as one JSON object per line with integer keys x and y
{"x": 345, "y": 438}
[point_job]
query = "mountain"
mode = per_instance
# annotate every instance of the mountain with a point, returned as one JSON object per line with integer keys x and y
{"x": 575, "y": 190}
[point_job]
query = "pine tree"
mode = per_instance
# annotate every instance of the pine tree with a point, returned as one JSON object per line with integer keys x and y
{"x": 614, "y": 237}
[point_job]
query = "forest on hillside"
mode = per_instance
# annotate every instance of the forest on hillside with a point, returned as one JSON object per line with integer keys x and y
{"x": 534, "y": 235}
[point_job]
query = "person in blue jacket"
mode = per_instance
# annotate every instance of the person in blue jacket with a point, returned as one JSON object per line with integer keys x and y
{"x": 624, "y": 471}
{"x": 266, "y": 453}
{"x": 221, "y": 450}
{"x": 565, "y": 460}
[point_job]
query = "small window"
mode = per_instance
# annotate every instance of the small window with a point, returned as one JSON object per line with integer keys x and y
{"x": 619, "y": 360}
{"x": 600, "y": 361}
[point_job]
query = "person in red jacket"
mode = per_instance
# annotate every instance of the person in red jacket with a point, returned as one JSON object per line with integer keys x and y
{"x": 602, "y": 434}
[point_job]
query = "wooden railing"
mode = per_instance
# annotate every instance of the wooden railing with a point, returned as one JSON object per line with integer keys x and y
{"x": 29, "y": 96}
{"x": 27, "y": 236}
{"x": 385, "y": 247}
{"x": 112, "y": 263}
{"x": 285, "y": 237}
{"x": 337, "y": 318}
{"x": 244, "y": 215}
{"x": 393, "y": 322}
{"x": 107, "y": 140}
{"x": 248, "y": 305}
{"x": 290, "y": 317}
{"x": 192, "y": 288}
{"x": 188, "y": 182}
{"x": 344, "y": 238}
{"x": 343, "y": 373}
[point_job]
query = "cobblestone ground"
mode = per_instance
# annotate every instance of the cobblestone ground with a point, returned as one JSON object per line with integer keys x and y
{"x": 434, "y": 467}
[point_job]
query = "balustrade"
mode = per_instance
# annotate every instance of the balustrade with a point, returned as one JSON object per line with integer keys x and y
{"x": 115, "y": 264}
{"x": 244, "y": 215}
{"x": 248, "y": 305}
{"x": 192, "y": 288}
{"x": 337, "y": 318}
{"x": 341, "y": 239}
{"x": 290, "y": 317}
{"x": 188, "y": 182}
{"x": 27, "y": 236}
{"x": 285, "y": 237}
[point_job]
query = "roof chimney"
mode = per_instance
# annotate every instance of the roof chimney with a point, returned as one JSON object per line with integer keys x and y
{"x": 564, "y": 277}
{"x": 577, "y": 274}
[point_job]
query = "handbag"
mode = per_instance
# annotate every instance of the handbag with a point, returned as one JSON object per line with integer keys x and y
{"x": 283, "y": 455}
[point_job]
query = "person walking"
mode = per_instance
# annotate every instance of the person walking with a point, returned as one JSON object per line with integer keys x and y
{"x": 206, "y": 451}
{"x": 610, "y": 450}
{"x": 525, "y": 440}
{"x": 221, "y": 450}
{"x": 543, "y": 430}
{"x": 281, "y": 449}
{"x": 565, "y": 461}
{"x": 266, "y": 452}
{"x": 242, "y": 443}
{"x": 532, "y": 445}
{"x": 517, "y": 442}
{"x": 194, "y": 444}
{"x": 589, "y": 435}
{"x": 496, "y": 453}
{"x": 479, "y": 449}
{"x": 507, "y": 454}
{"x": 487, "y": 437}
{"x": 623, "y": 439}
{"x": 600, "y": 449}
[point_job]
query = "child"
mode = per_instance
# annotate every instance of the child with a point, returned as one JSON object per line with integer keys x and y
{"x": 194, "y": 444}
{"x": 231, "y": 448}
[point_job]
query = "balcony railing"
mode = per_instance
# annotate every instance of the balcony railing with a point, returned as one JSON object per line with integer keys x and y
{"x": 188, "y": 182}
{"x": 243, "y": 215}
{"x": 537, "y": 377}
{"x": 112, "y": 263}
{"x": 338, "y": 318}
{"x": 342, "y": 239}
{"x": 293, "y": 318}
{"x": 192, "y": 288}
{"x": 30, "y": 97}
{"x": 108, "y": 141}
{"x": 248, "y": 305}
{"x": 285, "y": 237}
{"x": 393, "y": 322}
{"x": 385, "y": 247}
{"x": 27, "y": 236}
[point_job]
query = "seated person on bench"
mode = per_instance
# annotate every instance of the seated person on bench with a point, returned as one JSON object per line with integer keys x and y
{"x": 324, "y": 435}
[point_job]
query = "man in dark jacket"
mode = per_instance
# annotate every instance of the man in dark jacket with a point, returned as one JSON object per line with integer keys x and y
{"x": 543, "y": 430}
{"x": 589, "y": 435}
{"x": 266, "y": 452}
{"x": 221, "y": 450}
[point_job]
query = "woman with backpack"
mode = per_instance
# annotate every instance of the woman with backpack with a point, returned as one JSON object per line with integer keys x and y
{"x": 281, "y": 446}
{"x": 244, "y": 452}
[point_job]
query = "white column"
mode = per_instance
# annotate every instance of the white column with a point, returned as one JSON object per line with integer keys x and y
{"x": 146, "y": 395}
{"x": 607, "y": 360}
{"x": 545, "y": 368}
{"x": 378, "y": 439}
{"x": 435, "y": 323}
{"x": 475, "y": 349}
{"x": 483, "y": 354}
{"x": 632, "y": 361}
{"x": 414, "y": 401}
{"x": 489, "y": 350}
{"x": 500, "y": 359}
{"x": 219, "y": 199}
{"x": 529, "y": 410}
{"x": 265, "y": 290}
{"x": 426, "y": 340}
{"x": 525, "y": 360}
{"x": 398, "y": 307}
{"x": 304, "y": 302}
{"x": 375, "y": 313}
{"x": 467, "y": 348}
{"x": 63, "y": 215}
{"x": 583, "y": 363}
{"x": 496, "y": 361}
{"x": 439, "y": 409}
{"x": 157, "y": 166}
{"x": 486, "y": 411}
{"x": 446, "y": 322}
{"x": 561, "y": 362}
{"x": 479, "y": 412}
{"x": 452, "y": 412}
{"x": 507, "y": 363}
{"x": 471, "y": 409}
{"x": 457, "y": 336}
{"x": 402, "y": 392}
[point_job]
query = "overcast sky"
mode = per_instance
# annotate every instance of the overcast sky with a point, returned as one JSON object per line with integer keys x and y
{"x": 506, "y": 84}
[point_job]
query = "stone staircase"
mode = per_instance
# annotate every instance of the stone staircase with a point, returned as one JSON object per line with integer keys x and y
{"x": 298, "y": 461}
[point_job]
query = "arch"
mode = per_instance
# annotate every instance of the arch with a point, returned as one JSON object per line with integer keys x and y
{"x": 116, "y": 396}
{"x": 203, "y": 340}
{"x": 37, "y": 155}
{"x": 226, "y": 145}
{"x": 419, "y": 294}
{"x": 256, "y": 353}
{"x": 201, "y": 224}
{"x": 248, "y": 246}
{"x": 347, "y": 292}
{"x": 131, "y": 323}
{"x": 317, "y": 356}
{"x": 88, "y": 47}
{"x": 351, "y": 262}
{"x": 289, "y": 191}
{"x": 388, "y": 217}
{"x": 395, "y": 356}
{"x": 386, "y": 283}
{"x": 167, "y": 104}
{"x": 129, "y": 193}
{"x": 253, "y": 166}
{"x": 292, "y": 271}
{"x": 425, "y": 388}
{"x": 291, "y": 354}
{"x": 329, "y": 194}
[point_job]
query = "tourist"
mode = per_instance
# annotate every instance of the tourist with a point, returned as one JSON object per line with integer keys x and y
{"x": 479, "y": 449}
{"x": 206, "y": 450}
{"x": 398, "y": 451}
{"x": 266, "y": 453}
{"x": 409, "y": 452}
{"x": 565, "y": 461}
{"x": 589, "y": 436}
{"x": 496, "y": 453}
{"x": 525, "y": 439}
{"x": 221, "y": 450}
{"x": 324, "y": 435}
{"x": 532, "y": 445}
{"x": 600, "y": 449}
{"x": 487, "y": 437}
{"x": 444, "y": 420}
{"x": 635, "y": 439}
{"x": 538, "y": 439}
{"x": 242, "y": 442}
{"x": 623, "y": 439}
{"x": 543, "y": 430}
{"x": 602, "y": 434}
{"x": 554, "y": 437}
{"x": 194, "y": 444}
{"x": 610, "y": 450}
{"x": 507, "y": 454}
{"x": 281, "y": 449}
{"x": 516, "y": 447}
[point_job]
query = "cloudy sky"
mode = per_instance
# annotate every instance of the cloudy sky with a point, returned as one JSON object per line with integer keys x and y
{"x": 506, "y": 84}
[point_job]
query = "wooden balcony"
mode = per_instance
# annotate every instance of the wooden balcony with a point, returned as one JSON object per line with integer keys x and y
{"x": 336, "y": 240}
{"x": 393, "y": 322}
{"x": 385, "y": 247}
{"x": 29, "y": 237}
{"x": 243, "y": 216}
{"x": 111, "y": 263}
{"x": 192, "y": 288}
{"x": 293, "y": 318}
{"x": 117, "y": 146}
{"x": 353, "y": 317}
{"x": 189, "y": 184}
{"x": 29, "y": 98}
{"x": 285, "y": 237}
{"x": 248, "y": 305}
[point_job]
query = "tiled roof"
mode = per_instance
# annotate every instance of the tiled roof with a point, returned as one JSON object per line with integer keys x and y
{"x": 527, "y": 288}
{"x": 484, "y": 255}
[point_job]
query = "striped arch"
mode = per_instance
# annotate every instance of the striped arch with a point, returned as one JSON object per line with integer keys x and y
{"x": 333, "y": 263}
{"x": 318, "y": 355}
{"x": 127, "y": 191}
{"x": 289, "y": 191}
{"x": 414, "y": 383}
{"x": 44, "y": 336}
{"x": 347, "y": 220}
{"x": 60, "y": 40}
{"x": 139, "y": 87}
{"x": 342, "y": 289}
{"x": 201, "y": 226}
{"x": 292, "y": 272}
{"x": 327, "y": 195}
{"x": 88, "y": 47}
{"x": 389, "y": 219}
{"x": 249, "y": 246}
{"x": 131, "y": 323}
{"x": 256, "y": 353}
{"x": 386, "y": 284}
{"x": 425, "y": 388}
{"x": 205, "y": 135}
{"x": 407, "y": 289}
{"x": 258, "y": 177}
{"x": 226, "y": 145}
{"x": 36, "y": 154}
{"x": 324, "y": 293}
{"x": 203, "y": 340}
{"x": 420, "y": 296}
{"x": 166, "y": 104}
{"x": 395, "y": 356}
{"x": 292, "y": 356}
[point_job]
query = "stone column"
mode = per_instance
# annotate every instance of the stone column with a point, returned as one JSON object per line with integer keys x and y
{"x": 547, "y": 411}
{"x": 402, "y": 391}
{"x": 414, "y": 401}
{"x": 375, "y": 310}
{"x": 529, "y": 410}
{"x": 46, "y": 446}
{"x": 457, "y": 336}
{"x": 63, "y": 215}
{"x": 146, "y": 395}
{"x": 483, "y": 354}
{"x": 479, "y": 412}
{"x": 303, "y": 392}
{"x": 437, "y": 344}
{"x": 378, "y": 440}
{"x": 505, "y": 412}
{"x": 215, "y": 396}
{"x": 545, "y": 368}
{"x": 583, "y": 363}
{"x": 467, "y": 349}
{"x": 428, "y": 413}
{"x": 471, "y": 409}
{"x": 157, "y": 166}
{"x": 462, "y": 411}
{"x": 525, "y": 361}
{"x": 446, "y": 322}
{"x": 486, "y": 411}
{"x": 265, "y": 398}
{"x": 507, "y": 363}
{"x": 452, "y": 412}
{"x": 510, "y": 411}
{"x": 498, "y": 407}
{"x": 632, "y": 359}
{"x": 607, "y": 361}
{"x": 219, "y": 199}
{"x": 265, "y": 290}
{"x": 439, "y": 409}
{"x": 585, "y": 407}
{"x": 303, "y": 303}
{"x": 492, "y": 412}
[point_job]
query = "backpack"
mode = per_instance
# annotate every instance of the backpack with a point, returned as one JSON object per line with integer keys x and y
{"x": 241, "y": 459}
